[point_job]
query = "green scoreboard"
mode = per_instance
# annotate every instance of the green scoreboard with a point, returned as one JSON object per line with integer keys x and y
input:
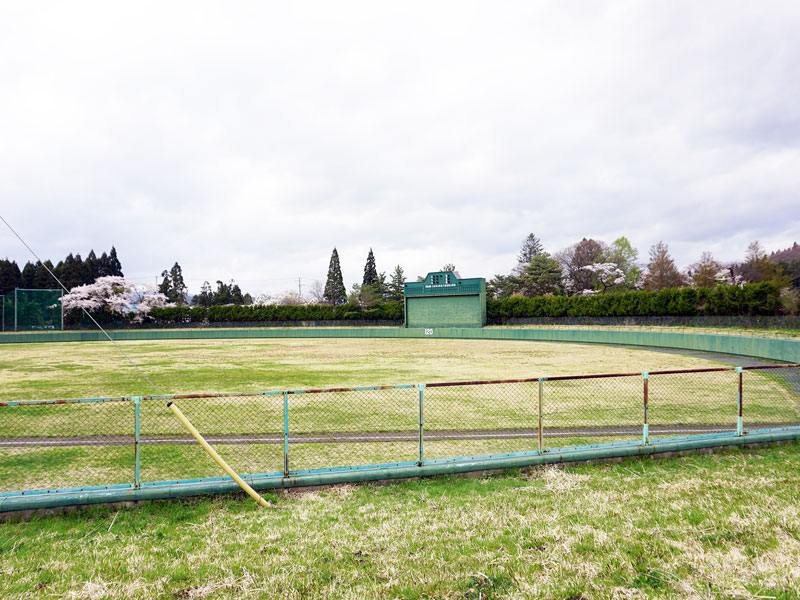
{"x": 443, "y": 299}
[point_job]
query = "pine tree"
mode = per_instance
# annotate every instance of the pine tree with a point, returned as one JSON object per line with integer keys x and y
{"x": 396, "y": 285}
{"x": 531, "y": 246}
{"x": 370, "y": 271}
{"x": 542, "y": 276}
{"x": 116, "y": 266}
{"x": 661, "y": 270}
{"x": 335, "y": 292}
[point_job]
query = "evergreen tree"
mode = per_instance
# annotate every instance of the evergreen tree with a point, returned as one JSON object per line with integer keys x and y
{"x": 223, "y": 294}
{"x": 91, "y": 266}
{"x": 370, "y": 271}
{"x": 335, "y": 292}
{"x": 103, "y": 266}
{"x": 396, "y": 284}
{"x": 10, "y": 276}
{"x": 42, "y": 280}
{"x": 114, "y": 264}
{"x": 173, "y": 286}
{"x": 205, "y": 297}
{"x": 661, "y": 270}
{"x": 542, "y": 276}
{"x": 71, "y": 274}
{"x": 531, "y": 246}
{"x": 28, "y": 276}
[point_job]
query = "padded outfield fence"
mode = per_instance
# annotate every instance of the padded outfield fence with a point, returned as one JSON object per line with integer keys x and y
{"x": 51, "y": 449}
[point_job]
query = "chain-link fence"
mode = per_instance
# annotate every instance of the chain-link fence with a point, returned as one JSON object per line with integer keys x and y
{"x": 32, "y": 310}
{"x": 134, "y": 441}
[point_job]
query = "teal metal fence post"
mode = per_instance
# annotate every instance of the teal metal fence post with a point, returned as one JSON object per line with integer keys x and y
{"x": 421, "y": 388}
{"x": 740, "y": 420}
{"x": 645, "y": 425}
{"x": 285, "y": 434}
{"x": 541, "y": 390}
{"x": 137, "y": 427}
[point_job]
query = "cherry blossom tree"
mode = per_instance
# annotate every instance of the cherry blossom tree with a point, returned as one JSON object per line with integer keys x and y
{"x": 117, "y": 296}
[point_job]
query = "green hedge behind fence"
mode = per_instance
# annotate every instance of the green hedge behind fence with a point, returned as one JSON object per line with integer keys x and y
{"x": 731, "y": 300}
{"x": 751, "y": 299}
{"x": 308, "y": 312}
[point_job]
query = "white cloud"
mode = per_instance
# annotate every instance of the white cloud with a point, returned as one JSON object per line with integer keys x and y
{"x": 246, "y": 141}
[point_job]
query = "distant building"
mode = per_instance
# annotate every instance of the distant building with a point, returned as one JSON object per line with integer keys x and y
{"x": 443, "y": 299}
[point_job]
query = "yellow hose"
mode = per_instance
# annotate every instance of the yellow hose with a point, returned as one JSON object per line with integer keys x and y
{"x": 217, "y": 458}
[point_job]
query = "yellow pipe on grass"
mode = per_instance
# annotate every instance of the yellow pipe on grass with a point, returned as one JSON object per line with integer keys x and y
{"x": 217, "y": 458}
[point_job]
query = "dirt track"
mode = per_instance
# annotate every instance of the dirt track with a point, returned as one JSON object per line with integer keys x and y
{"x": 378, "y": 436}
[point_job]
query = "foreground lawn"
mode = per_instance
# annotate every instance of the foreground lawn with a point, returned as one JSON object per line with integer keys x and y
{"x": 710, "y": 526}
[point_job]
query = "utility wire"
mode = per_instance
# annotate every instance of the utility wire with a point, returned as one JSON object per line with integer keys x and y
{"x": 110, "y": 339}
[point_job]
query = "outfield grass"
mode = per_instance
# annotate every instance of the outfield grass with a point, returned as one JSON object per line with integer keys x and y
{"x": 91, "y": 369}
{"x": 39, "y": 371}
{"x": 699, "y": 526}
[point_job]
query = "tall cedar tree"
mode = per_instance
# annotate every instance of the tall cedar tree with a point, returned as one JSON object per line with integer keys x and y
{"x": 661, "y": 270}
{"x": 116, "y": 266}
{"x": 370, "y": 271}
{"x": 335, "y": 292}
{"x": 10, "y": 276}
{"x": 173, "y": 286}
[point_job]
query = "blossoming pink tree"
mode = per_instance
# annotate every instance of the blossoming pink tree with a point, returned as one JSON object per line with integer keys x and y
{"x": 117, "y": 296}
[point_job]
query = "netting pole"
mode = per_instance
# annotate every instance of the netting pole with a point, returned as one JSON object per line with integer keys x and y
{"x": 645, "y": 426}
{"x": 541, "y": 440}
{"x": 137, "y": 422}
{"x": 421, "y": 387}
{"x": 285, "y": 434}
{"x": 62, "y": 309}
{"x": 740, "y": 420}
{"x": 15, "y": 309}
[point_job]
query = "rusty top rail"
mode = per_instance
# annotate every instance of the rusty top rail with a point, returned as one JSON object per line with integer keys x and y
{"x": 390, "y": 387}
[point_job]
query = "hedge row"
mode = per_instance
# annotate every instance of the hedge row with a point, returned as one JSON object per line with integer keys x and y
{"x": 751, "y": 299}
{"x": 307, "y": 312}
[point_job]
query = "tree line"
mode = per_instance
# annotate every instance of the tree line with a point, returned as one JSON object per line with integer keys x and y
{"x": 594, "y": 268}
{"x": 73, "y": 271}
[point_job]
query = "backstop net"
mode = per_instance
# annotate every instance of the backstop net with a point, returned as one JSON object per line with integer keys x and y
{"x": 32, "y": 310}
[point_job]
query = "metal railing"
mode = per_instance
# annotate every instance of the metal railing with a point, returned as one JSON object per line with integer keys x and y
{"x": 103, "y": 443}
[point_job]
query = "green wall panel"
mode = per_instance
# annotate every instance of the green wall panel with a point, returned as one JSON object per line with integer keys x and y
{"x": 780, "y": 349}
{"x": 444, "y": 311}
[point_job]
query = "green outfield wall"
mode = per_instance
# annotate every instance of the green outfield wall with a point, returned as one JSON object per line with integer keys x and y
{"x": 779, "y": 349}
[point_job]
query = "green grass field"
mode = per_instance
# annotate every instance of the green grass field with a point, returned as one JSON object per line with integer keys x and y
{"x": 721, "y": 526}
{"x": 47, "y": 371}
{"x": 700, "y": 526}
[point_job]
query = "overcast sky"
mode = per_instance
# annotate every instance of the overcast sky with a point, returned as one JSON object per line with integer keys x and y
{"x": 246, "y": 140}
